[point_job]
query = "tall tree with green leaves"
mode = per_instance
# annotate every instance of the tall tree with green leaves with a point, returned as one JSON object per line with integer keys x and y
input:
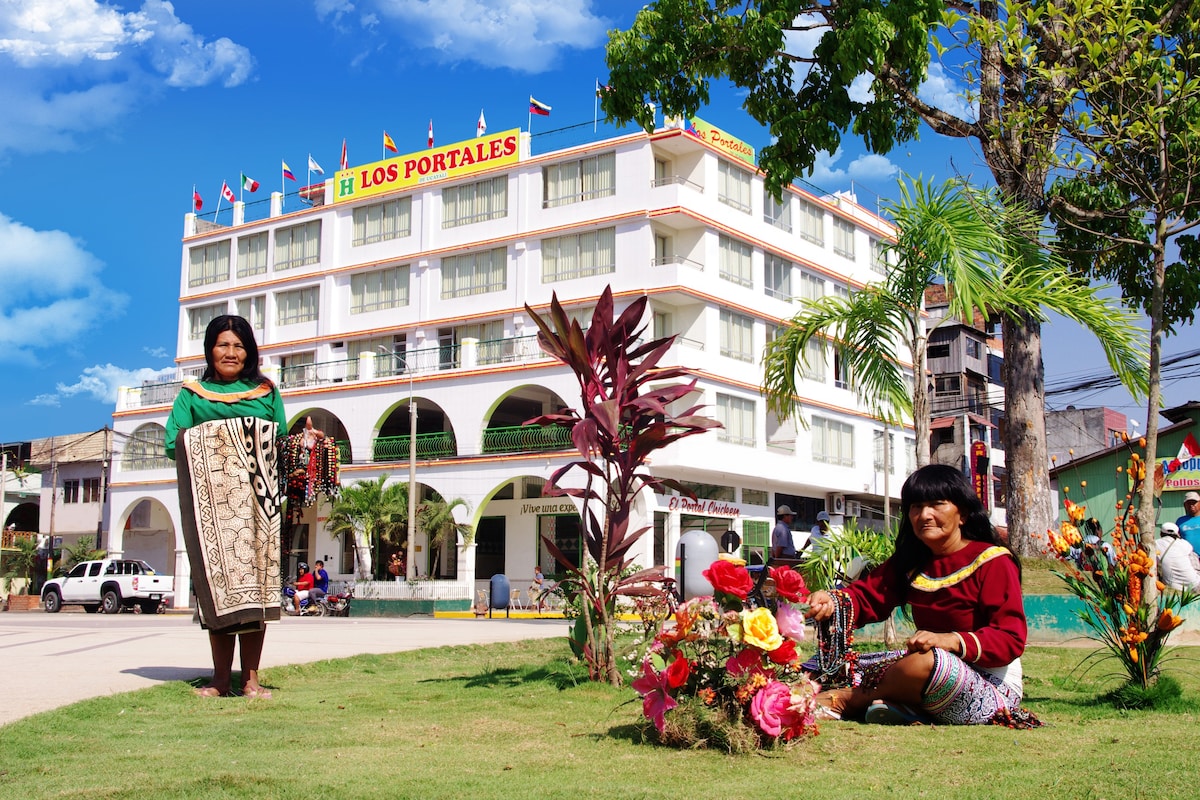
{"x": 816, "y": 70}
{"x": 374, "y": 513}
{"x": 436, "y": 517}
{"x": 1139, "y": 143}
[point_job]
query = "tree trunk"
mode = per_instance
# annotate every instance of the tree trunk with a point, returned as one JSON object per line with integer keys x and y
{"x": 1029, "y": 510}
{"x": 362, "y": 555}
{"x": 1147, "y": 522}
{"x": 921, "y": 421}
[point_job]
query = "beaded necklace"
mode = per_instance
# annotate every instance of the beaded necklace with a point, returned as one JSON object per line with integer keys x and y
{"x": 837, "y": 660}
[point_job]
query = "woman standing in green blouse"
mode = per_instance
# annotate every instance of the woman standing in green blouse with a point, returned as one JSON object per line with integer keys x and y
{"x": 222, "y": 432}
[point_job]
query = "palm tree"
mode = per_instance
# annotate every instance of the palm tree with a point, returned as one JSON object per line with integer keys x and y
{"x": 950, "y": 234}
{"x": 21, "y": 561}
{"x": 437, "y": 520}
{"x": 373, "y": 513}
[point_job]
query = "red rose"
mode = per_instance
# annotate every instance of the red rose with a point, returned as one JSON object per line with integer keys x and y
{"x": 678, "y": 671}
{"x": 727, "y": 577}
{"x": 789, "y": 584}
{"x": 785, "y": 653}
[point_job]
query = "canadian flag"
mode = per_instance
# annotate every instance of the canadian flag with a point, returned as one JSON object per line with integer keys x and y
{"x": 227, "y": 193}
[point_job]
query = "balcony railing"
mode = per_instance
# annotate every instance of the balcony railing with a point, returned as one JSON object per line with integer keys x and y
{"x": 675, "y": 180}
{"x": 526, "y": 438}
{"x": 439, "y": 444}
{"x": 422, "y": 361}
{"x": 666, "y": 261}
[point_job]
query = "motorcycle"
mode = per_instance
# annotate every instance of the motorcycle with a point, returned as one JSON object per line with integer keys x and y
{"x": 339, "y": 604}
{"x": 309, "y": 607}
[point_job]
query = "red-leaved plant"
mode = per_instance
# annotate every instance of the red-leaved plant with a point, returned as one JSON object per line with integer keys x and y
{"x": 625, "y": 416}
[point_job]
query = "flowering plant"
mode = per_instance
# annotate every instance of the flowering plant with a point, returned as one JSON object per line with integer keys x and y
{"x": 1108, "y": 575}
{"x": 725, "y": 672}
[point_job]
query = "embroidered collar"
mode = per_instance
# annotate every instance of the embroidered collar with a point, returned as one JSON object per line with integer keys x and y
{"x": 262, "y": 390}
{"x": 925, "y": 583}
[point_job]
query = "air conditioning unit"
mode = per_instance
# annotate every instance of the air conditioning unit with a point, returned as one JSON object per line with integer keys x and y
{"x": 835, "y": 503}
{"x": 853, "y": 508}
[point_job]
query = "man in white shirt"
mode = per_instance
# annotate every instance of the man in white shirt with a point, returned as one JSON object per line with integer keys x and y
{"x": 1176, "y": 560}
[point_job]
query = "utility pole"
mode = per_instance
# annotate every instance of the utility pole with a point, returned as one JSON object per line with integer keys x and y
{"x": 105, "y": 458}
{"x": 53, "y": 507}
{"x": 412, "y": 480}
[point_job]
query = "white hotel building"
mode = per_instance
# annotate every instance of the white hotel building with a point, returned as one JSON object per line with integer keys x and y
{"x": 382, "y": 291}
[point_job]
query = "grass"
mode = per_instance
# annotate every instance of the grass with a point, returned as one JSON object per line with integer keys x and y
{"x": 1037, "y": 576}
{"x": 519, "y": 721}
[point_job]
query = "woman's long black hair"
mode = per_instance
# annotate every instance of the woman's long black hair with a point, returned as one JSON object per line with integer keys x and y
{"x": 930, "y": 484}
{"x": 241, "y": 329}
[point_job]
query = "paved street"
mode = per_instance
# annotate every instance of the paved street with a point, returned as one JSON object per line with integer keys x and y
{"x": 67, "y": 657}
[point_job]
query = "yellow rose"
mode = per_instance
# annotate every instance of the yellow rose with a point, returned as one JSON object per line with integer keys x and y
{"x": 760, "y": 630}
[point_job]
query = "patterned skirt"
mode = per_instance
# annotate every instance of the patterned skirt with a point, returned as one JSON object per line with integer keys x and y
{"x": 959, "y": 694}
{"x": 229, "y": 498}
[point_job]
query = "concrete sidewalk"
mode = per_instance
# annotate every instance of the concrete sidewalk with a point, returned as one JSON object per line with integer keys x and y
{"x": 64, "y": 658}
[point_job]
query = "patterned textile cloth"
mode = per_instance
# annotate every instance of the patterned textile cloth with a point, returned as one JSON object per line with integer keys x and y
{"x": 230, "y": 502}
{"x": 958, "y": 694}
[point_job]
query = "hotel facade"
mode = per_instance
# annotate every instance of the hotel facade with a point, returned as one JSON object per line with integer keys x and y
{"x": 404, "y": 283}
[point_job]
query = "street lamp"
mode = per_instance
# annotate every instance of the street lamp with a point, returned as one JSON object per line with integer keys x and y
{"x": 411, "y": 566}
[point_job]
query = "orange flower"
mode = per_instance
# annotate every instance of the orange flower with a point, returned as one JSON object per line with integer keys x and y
{"x": 1169, "y": 621}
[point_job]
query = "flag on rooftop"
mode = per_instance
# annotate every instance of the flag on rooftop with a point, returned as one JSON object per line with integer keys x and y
{"x": 287, "y": 172}
{"x": 431, "y": 133}
{"x": 196, "y": 201}
{"x": 481, "y": 126}
{"x": 345, "y": 162}
{"x": 313, "y": 166}
{"x": 248, "y": 183}
{"x": 538, "y": 107}
{"x": 388, "y": 144}
{"x": 227, "y": 193}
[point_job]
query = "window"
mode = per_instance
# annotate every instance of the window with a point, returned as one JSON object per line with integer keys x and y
{"x": 253, "y": 310}
{"x": 209, "y": 263}
{"x": 943, "y": 436}
{"x": 298, "y": 369}
{"x": 475, "y": 202}
{"x": 297, "y": 305}
{"x": 379, "y": 290}
{"x": 298, "y": 245}
{"x": 664, "y": 250}
{"x": 91, "y": 490}
{"x": 579, "y": 255}
{"x": 733, "y": 186}
{"x": 711, "y": 491}
{"x": 145, "y": 450}
{"x": 940, "y": 350}
{"x": 756, "y": 539}
{"x": 843, "y": 238}
{"x": 576, "y": 181}
{"x": 812, "y": 223}
{"x": 974, "y": 348}
{"x": 877, "y": 437}
{"x": 252, "y": 255}
{"x": 493, "y": 346}
{"x": 198, "y": 319}
{"x": 778, "y": 277}
{"x": 755, "y": 497}
{"x": 778, "y": 212}
{"x": 737, "y": 336}
{"x": 388, "y": 352}
{"x": 944, "y": 385}
{"x": 910, "y": 454}
{"x": 737, "y": 415}
{"x": 843, "y": 377}
{"x": 663, "y": 325}
{"x": 813, "y": 368}
{"x": 71, "y": 491}
{"x": 811, "y": 287}
{"x": 735, "y": 261}
{"x": 380, "y": 222}
{"x": 878, "y": 257}
{"x": 475, "y": 273}
{"x": 832, "y": 442}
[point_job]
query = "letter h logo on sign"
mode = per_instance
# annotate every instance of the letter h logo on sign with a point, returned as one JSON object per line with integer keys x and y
{"x": 346, "y": 186}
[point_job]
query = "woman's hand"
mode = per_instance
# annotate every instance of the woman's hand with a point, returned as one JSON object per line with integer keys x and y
{"x": 924, "y": 641}
{"x": 820, "y": 605}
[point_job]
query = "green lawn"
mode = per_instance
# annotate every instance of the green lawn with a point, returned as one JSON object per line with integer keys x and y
{"x": 1037, "y": 576}
{"x": 516, "y": 721}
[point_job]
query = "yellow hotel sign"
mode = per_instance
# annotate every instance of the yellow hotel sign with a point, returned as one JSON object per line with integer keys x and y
{"x": 720, "y": 139}
{"x": 450, "y": 161}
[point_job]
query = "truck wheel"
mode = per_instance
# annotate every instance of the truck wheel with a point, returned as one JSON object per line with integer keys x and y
{"x": 111, "y": 602}
{"x": 149, "y": 606}
{"x": 91, "y": 608}
{"x": 52, "y": 602}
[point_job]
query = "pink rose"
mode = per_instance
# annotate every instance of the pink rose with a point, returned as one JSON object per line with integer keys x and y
{"x": 771, "y": 710}
{"x": 790, "y": 621}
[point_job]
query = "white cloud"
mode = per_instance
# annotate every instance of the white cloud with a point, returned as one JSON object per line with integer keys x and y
{"x": 941, "y": 90}
{"x": 156, "y": 352}
{"x": 524, "y": 35}
{"x": 74, "y": 66}
{"x": 52, "y": 293}
{"x": 869, "y": 168}
{"x": 101, "y": 382}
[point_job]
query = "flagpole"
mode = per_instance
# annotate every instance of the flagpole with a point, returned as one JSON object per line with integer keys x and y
{"x": 596, "y": 106}
{"x": 282, "y": 186}
{"x": 193, "y": 198}
{"x": 216, "y": 213}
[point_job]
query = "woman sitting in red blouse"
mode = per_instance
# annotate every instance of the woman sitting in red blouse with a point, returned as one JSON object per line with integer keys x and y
{"x": 963, "y": 664}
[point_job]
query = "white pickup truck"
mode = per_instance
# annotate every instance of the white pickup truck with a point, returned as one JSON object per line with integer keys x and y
{"x": 109, "y": 585}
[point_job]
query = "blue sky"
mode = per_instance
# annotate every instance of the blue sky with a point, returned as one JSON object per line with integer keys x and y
{"x": 114, "y": 110}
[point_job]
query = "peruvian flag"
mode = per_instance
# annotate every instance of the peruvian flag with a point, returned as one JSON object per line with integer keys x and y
{"x": 248, "y": 183}
{"x": 431, "y": 133}
{"x": 345, "y": 161}
{"x": 227, "y": 193}
{"x": 196, "y": 201}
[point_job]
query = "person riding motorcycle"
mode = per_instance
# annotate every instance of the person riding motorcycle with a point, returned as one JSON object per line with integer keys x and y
{"x": 304, "y": 584}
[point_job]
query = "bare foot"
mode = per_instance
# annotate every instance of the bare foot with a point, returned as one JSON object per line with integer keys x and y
{"x": 207, "y": 691}
{"x": 256, "y": 692}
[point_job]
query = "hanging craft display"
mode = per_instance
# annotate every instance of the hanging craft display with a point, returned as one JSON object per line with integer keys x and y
{"x": 308, "y": 469}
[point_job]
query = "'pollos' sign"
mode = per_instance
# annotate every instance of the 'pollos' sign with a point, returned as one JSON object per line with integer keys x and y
{"x": 449, "y": 161}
